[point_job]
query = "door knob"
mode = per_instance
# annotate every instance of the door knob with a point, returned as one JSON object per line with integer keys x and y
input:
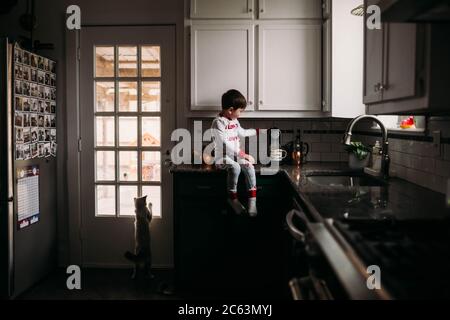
{"x": 168, "y": 163}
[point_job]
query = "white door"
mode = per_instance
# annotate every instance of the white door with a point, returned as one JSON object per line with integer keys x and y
{"x": 222, "y": 9}
{"x": 221, "y": 59}
{"x": 290, "y": 67}
{"x": 127, "y": 98}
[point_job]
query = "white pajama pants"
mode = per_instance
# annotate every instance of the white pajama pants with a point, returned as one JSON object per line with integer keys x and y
{"x": 234, "y": 169}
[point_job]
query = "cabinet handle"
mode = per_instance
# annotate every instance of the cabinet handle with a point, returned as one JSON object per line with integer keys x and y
{"x": 379, "y": 87}
{"x": 260, "y": 102}
{"x": 250, "y": 10}
{"x": 376, "y": 87}
{"x": 250, "y": 103}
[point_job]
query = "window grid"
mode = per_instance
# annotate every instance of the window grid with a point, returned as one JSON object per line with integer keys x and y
{"x": 139, "y": 114}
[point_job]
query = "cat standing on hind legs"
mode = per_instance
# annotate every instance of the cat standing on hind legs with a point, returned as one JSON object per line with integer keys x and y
{"x": 142, "y": 256}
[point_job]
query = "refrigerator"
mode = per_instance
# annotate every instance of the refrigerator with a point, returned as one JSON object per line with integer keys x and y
{"x": 28, "y": 245}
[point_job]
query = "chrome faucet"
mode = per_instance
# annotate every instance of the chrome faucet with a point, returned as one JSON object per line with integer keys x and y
{"x": 385, "y": 160}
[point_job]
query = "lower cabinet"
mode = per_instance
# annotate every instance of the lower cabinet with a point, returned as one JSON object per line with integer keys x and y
{"x": 218, "y": 253}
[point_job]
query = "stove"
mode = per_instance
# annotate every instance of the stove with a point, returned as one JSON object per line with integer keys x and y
{"x": 413, "y": 256}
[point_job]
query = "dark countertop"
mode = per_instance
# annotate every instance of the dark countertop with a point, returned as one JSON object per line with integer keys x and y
{"x": 398, "y": 199}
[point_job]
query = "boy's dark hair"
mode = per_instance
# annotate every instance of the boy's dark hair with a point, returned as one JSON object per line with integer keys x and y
{"x": 233, "y": 99}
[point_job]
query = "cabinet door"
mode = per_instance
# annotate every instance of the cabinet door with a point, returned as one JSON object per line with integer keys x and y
{"x": 290, "y": 9}
{"x": 400, "y": 61}
{"x": 200, "y": 243}
{"x": 221, "y": 59}
{"x": 347, "y": 60}
{"x": 290, "y": 71}
{"x": 373, "y": 63}
{"x": 222, "y": 9}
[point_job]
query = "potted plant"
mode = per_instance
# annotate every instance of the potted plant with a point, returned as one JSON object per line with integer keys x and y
{"x": 358, "y": 155}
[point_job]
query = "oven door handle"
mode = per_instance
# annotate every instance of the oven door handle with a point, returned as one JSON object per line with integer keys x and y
{"x": 297, "y": 234}
{"x": 309, "y": 288}
{"x": 297, "y": 285}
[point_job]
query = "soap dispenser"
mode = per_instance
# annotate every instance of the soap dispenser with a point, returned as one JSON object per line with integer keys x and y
{"x": 376, "y": 156}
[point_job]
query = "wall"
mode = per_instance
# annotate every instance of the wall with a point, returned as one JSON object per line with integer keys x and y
{"x": 416, "y": 159}
{"x": 323, "y": 135}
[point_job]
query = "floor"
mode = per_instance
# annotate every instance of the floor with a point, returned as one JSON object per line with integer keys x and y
{"x": 116, "y": 284}
{"x": 102, "y": 284}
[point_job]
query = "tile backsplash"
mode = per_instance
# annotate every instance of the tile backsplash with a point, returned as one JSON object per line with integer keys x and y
{"x": 413, "y": 158}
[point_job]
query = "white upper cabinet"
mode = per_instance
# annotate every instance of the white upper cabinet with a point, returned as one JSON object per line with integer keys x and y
{"x": 347, "y": 60}
{"x": 279, "y": 72}
{"x": 221, "y": 59}
{"x": 222, "y": 9}
{"x": 289, "y": 9}
{"x": 290, "y": 72}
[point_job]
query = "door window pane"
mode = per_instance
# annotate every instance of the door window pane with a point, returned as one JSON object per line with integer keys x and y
{"x": 154, "y": 197}
{"x": 105, "y": 169}
{"x": 151, "y": 96}
{"x": 106, "y": 200}
{"x": 105, "y": 131}
{"x": 127, "y": 195}
{"x": 151, "y": 131}
{"x": 150, "y": 61}
{"x": 127, "y": 131}
{"x": 125, "y": 162}
{"x": 104, "y": 61}
{"x": 128, "y": 96}
{"x": 151, "y": 166}
{"x": 104, "y": 93}
{"x": 128, "y": 165}
{"x": 127, "y": 61}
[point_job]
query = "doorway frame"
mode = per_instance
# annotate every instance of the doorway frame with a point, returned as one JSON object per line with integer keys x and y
{"x": 72, "y": 121}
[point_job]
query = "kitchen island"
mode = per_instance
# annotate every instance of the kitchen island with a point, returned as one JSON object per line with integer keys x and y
{"x": 354, "y": 223}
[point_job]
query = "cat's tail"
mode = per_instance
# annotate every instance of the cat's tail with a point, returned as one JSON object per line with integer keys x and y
{"x": 131, "y": 256}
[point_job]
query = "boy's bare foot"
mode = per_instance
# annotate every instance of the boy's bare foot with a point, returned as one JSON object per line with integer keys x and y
{"x": 236, "y": 206}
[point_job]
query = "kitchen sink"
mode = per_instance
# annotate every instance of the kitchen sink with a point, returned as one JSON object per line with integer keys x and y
{"x": 345, "y": 180}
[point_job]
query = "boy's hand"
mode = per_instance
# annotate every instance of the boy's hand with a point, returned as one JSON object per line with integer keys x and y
{"x": 250, "y": 158}
{"x": 247, "y": 157}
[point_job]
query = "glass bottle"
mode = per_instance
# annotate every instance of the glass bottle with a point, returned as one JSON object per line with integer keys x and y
{"x": 297, "y": 150}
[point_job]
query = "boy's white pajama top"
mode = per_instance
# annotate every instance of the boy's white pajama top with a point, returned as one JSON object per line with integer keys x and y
{"x": 226, "y": 135}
